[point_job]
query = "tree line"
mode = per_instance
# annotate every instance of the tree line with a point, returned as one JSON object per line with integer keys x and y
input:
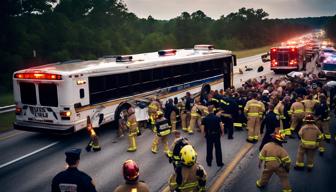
{"x": 35, "y": 32}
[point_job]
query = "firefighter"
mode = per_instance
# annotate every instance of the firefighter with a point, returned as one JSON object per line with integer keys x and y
{"x": 189, "y": 176}
{"x": 183, "y": 114}
{"x": 197, "y": 111}
{"x": 322, "y": 114}
{"x": 132, "y": 125}
{"x": 281, "y": 110}
{"x": 72, "y": 179}
{"x": 253, "y": 109}
{"x": 310, "y": 137}
{"x": 309, "y": 104}
{"x": 189, "y": 103}
{"x": 276, "y": 160}
{"x": 171, "y": 113}
{"x": 271, "y": 123}
{"x": 131, "y": 175}
{"x": 297, "y": 111}
{"x": 94, "y": 142}
{"x": 240, "y": 120}
{"x": 174, "y": 151}
{"x": 162, "y": 130}
{"x": 153, "y": 108}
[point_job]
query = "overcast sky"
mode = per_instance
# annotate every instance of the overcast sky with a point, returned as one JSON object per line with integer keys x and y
{"x": 167, "y": 9}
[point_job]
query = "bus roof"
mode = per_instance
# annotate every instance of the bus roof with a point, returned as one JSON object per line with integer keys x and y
{"x": 139, "y": 61}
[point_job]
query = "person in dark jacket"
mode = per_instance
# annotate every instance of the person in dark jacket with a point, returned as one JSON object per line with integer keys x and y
{"x": 271, "y": 123}
{"x": 212, "y": 128}
{"x": 72, "y": 179}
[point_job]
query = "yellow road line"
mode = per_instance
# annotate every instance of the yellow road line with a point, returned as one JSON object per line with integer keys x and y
{"x": 221, "y": 179}
{"x": 226, "y": 172}
{"x": 9, "y": 136}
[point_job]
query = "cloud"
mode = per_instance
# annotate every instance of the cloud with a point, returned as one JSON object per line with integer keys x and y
{"x": 215, "y": 8}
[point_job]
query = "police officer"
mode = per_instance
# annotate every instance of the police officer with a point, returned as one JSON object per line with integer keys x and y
{"x": 162, "y": 130}
{"x": 229, "y": 112}
{"x": 276, "y": 160}
{"x": 212, "y": 129}
{"x": 189, "y": 176}
{"x": 310, "y": 136}
{"x": 240, "y": 120}
{"x": 174, "y": 151}
{"x": 72, "y": 179}
{"x": 271, "y": 123}
{"x": 131, "y": 176}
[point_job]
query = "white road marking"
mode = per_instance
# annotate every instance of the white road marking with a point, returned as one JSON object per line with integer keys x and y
{"x": 28, "y": 155}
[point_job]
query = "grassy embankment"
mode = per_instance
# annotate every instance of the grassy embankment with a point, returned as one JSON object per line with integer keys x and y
{"x": 7, "y": 119}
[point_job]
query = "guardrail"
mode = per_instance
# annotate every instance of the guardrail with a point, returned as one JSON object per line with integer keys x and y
{"x": 6, "y": 109}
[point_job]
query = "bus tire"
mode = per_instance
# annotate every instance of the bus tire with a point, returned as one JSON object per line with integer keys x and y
{"x": 120, "y": 108}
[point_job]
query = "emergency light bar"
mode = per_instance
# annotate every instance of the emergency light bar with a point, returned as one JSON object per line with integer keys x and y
{"x": 124, "y": 58}
{"x": 43, "y": 76}
{"x": 204, "y": 47}
{"x": 168, "y": 52}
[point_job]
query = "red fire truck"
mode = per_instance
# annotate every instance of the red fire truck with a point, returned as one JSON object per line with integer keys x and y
{"x": 288, "y": 57}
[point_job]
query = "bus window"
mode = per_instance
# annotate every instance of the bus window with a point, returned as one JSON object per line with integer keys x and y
{"x": 111, "y": 82}
{"x": 48, "y": 95}
{"x": 28, "y": 93}
{"x": 135, "y": 77}
{"x": 123, "y": 79}
{"x": 146, "y": 75}
{"x": 81, "y": 93}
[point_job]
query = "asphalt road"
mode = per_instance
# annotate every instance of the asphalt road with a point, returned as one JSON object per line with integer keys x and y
{"x": 30, "y": 160}
{"x": 322, "y": 177}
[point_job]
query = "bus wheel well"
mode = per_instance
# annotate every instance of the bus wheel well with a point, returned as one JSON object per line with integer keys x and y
{"x": 120, "y": 108}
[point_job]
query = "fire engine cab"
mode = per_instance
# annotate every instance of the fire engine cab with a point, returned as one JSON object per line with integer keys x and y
{"x": 288, "y": 57}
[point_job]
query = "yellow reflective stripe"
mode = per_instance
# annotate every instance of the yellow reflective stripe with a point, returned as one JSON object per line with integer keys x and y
{"x": 289, "y": 112}
{"x": 213, "y": 99}
{"x": 320, "y": 136}
{"x": 227, "y": 115}
{"x": 309, "y": 110}
{"x": 240, "y": 106}
{"x": 327, "y": 136}
{"x": 166, "y": 132}
{"x": 309, "y": 143}
{"x": 194, "y": 114}
{"x": 188, "y": 185}
{"x": 253, "y": 114}
{"x": 134, "y": 190}
{"x": 261, "y": 157}
{"x": 255, "y": 105}
{"x": 237, "y": 124}
{"x": 299, "y": 164}
{"x": 298, "y": 111}
{"x": 286, "y": 159}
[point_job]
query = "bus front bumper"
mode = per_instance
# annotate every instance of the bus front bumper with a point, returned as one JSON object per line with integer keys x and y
{"x": 44, "y": 128}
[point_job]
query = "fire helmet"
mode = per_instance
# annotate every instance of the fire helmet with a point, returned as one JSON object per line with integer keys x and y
{"x": 309, "y": 118}
{"x": 130, "y": 170}
{"x": 188, "y": 155}
{"x": 278, "y": 136}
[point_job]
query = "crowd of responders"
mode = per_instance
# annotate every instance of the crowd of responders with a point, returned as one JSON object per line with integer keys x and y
{"x": 286, "y": 107}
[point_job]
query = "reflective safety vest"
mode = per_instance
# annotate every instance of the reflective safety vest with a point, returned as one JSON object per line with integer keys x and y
{"x": 163, "y": 128}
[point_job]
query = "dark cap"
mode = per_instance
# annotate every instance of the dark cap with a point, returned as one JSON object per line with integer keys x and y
{"x": 73, "y": 155}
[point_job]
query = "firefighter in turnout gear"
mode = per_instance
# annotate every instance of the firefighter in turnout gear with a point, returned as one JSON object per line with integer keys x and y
{"x": 189, "y": 176}
{"x": 309, "y": 104}
{"x": 174, "y": 151}
{"x": 153, "y": 108}
{"x": 310, "y": 137}
{"x": 171, "y": 113}
{"x": 183, "y": 114}
{"x": 281, "y": 110}
{"x": 197, "y": 111}
{"x": 240, "y": 120}
{"x": 297, "y": 111}
{"x": 253, "y": 109}
{"x": 276, "y": 160}
{"x": 230, "y": 110}
{"x": 132, "y": 125}
{"x": 322, "y": 113}
{"x": 162, "y": 130}
{"x": 94, "y": 142}
{"x": 131, "y": 175}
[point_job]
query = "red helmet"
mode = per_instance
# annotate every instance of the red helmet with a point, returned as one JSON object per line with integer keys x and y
{"x": 309, "y": 118}
{"x": 130, "y": 170}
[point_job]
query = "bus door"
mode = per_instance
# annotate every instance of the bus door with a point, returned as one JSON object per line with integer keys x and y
{"x": 228, "y": 71}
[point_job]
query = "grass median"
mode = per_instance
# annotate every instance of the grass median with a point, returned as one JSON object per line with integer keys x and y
{"x": 6, "y": 99}
{"x": 6, "y": 121}
{"x": 251, "y": 52}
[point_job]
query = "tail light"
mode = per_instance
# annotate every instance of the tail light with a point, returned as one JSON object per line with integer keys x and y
{"x": 65, "y": 115}
{"x": 293, "y": 62}
{"x": 18, "y": 110}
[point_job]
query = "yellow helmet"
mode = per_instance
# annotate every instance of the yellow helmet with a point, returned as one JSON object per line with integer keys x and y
{"x": 188, "y": 155}
{"x": 159, "y": 113}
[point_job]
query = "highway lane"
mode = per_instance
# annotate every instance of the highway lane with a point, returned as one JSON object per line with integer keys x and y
{"x": 322, "y": 178}
{"x": 35, "y": 172}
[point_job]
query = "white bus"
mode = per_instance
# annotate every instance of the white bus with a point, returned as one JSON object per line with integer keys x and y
{"x": 58, "y": 97}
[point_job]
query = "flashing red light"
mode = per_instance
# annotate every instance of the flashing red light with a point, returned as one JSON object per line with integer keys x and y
{"x": 274, "y": 50}
{"x": 43, "y": 76}
{"x": 293, "y": 49}
{"x": 167, "y": 52}
{"x": 293, "y": 62}
{"x": 274, "y": 63}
